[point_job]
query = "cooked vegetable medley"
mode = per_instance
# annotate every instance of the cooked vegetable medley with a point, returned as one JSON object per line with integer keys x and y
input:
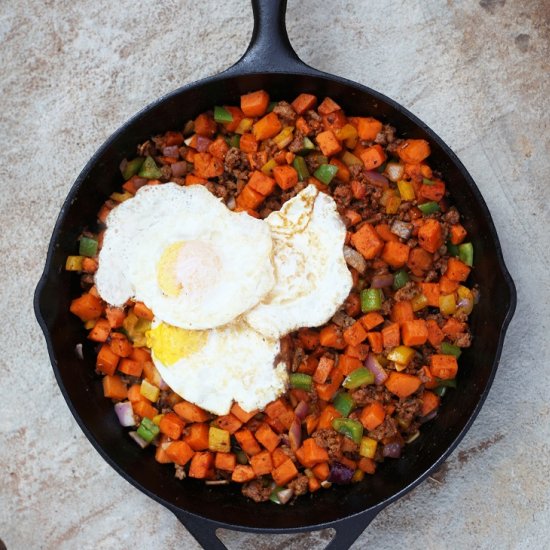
{"x": 361, "y": 385}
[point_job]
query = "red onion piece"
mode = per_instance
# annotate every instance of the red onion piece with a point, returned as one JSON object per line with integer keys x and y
{"x": 295, "y": 434}
{"x": 354, "y": 259}
{"x": 382, "y": 281}
{"x": 392, "y": 450}
{"x": 380, "y": 375}
{"x": 401, "y": 229}
{"x": 340, "y": 474}
{"x": 122, "y": 165}
{"x": 285, "y": 495}
{"x": 78, "y": 351}
{"x": 141, "y": 442}
{"x": 163, "y": 385}
{"x": 202, "y": 144}
{"x": 179, "y": 168}
{"x": 395, "y": 171}
{"x": 428, "y": 417}
{"x": 301, "y": 410}
{"x": 376, "y": 179}
{"x": 125, "y": 414}
{"x": 171, "y": 151}
{"x": 285, "y": 441}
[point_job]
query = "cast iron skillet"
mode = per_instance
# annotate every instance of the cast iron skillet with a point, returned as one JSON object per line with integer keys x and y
{"x": 269, "y": 63}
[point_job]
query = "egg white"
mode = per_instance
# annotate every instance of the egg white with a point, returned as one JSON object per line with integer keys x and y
{"x": 234, "y": 363}
{"x": 312, "y": 279}
{"x": 140, "y": 229}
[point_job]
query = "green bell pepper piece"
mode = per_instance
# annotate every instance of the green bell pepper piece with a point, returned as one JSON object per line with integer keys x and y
{"x": 132, "y": 168}
{"x": 429, "y": 207}
{"x": 271, "y": 106}
{"x": 274, "y": 496}
{"x": 148, "y": 430}
{"x": 300, "y": 381}
{"x": 450, "y": 349}
{"x": 325, "y": 173}
{"x": 149, "y": 169}
{"x": 440, "y": 391}
{"x": 307, "y": 147}
{"x": 400, "y": 279}
{"x": 87, "y": 247}
{"x": 427, "y": 181}
{"x": 233, "y": 141}
{"x": 371, "y": 299}
{"x": 344, "y": 403}
{"x": 466, "y": 253}
{"x": 452, "y": 249}
{"x": 359, "y": 377}
{"x": 221, "y": 114}
{"x": 350, "y": 428}
{"x": 446, "y": 383}
{"x": 301, "y": 167}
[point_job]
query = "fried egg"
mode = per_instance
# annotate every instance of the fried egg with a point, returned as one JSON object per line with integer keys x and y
{"x": 312, "y": 279}
{"x": 182, "y": 252}
{"x": 212, "y": 368}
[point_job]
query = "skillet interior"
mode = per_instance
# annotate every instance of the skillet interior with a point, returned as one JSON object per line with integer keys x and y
{"x": 82, "y": 388}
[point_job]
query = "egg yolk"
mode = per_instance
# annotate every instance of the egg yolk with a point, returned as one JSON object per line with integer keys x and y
{"x": 192, "y": 266}
{"x": 170, "y": 343}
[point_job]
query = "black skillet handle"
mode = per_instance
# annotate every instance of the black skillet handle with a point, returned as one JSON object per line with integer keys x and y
{"x": 347, "y": 530}
{"x": 270, "y": 50}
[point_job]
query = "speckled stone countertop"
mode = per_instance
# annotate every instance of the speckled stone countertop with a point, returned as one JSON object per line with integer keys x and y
{"x": 476, "y": 71}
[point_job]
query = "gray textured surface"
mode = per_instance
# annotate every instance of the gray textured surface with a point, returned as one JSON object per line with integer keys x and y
{"x": 476, "y": 72}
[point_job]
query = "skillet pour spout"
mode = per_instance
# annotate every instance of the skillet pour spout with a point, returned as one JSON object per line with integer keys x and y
{"x": 269, "y": 63}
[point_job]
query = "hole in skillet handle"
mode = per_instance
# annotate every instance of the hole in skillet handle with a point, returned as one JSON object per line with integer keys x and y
{"x": 347, "y": 530}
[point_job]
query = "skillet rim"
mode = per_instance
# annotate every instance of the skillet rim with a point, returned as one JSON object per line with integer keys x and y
{"x": 290, "y": 65}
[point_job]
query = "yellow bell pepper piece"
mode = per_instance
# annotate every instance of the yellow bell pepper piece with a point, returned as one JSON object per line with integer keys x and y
{"x": 284, "y": 137}
{"x": 346, "y": 132}
{"x": 368, "y": 447}
{"x": 350, "y": 159}
{"x": 244, "y": 125}
{"x": 406, "y": 190}
{"x": 465, "y": 295}
{"x": 447, "y": 304}
{"x": 420, "y": 301}
{"x": 149, "y": 391}
{"x": 74, "y": 263}
{"x": 218, "y": 440}
{"x": 157, "y": 419}
{"x": 464, "y": 292}
{"x": 358, "y": 476}
{"x": 267, "y": 168}
{"x": 136, "y": 329}
{"x": 121, "y": 197}
{"x": 401, "y": 354}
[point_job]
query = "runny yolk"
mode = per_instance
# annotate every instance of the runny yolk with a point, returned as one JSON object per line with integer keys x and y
{"x": 169, "y": 343}
{"x": 192, "y": 266}
{"x": 166, "y": 269}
